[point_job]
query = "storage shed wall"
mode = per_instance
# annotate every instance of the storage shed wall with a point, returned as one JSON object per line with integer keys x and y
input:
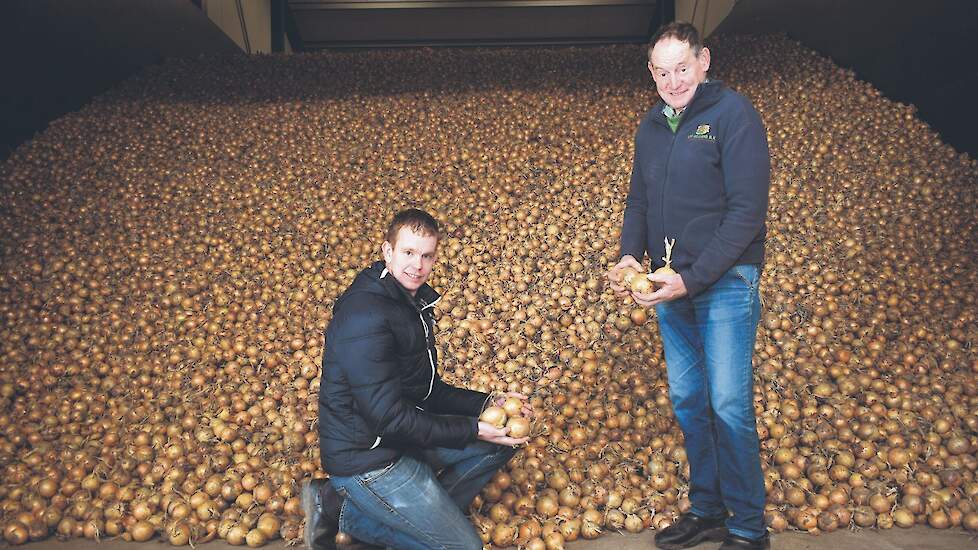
{"x": 919, "y": 52}
{"x": 59, "y": 54}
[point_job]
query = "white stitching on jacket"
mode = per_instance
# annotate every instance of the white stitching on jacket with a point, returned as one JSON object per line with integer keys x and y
{"x": 431, "y": 360}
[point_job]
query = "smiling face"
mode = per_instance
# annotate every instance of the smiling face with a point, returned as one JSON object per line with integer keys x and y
{"x": 410, "y": 258}
{"x": 677, "y": 70}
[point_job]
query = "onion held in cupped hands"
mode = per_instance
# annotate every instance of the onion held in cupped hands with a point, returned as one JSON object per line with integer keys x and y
{"x": 494, "y": 415}
{"x": 512, "y": 406}
{"x": 641, "y": 284}
{"x": 667, "y": 269}
{"x": 508, "y": 415}
{"x": 632, "y": 279}
{"x": 625, "y": 275}
{"x": 519, "y": 427}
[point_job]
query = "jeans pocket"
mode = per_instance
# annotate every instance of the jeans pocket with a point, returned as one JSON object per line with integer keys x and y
{"x": 374, "y": 475}
{"x": 747, "y": 273}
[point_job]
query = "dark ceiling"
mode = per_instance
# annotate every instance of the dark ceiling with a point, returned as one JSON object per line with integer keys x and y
{"x": 359, "y": 23}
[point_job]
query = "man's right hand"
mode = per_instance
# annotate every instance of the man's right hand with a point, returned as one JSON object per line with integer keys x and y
{"x": 614, "y": 274}
{"x": 499, "y": 436}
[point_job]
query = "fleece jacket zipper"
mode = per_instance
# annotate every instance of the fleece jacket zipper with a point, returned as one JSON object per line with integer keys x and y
{"x": 662, "y": 191}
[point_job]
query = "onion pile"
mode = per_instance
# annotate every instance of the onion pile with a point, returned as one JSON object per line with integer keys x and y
{"x": 170, "y": 253}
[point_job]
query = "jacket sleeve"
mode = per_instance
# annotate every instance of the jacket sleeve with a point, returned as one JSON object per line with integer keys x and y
{"x": 366, "y": 353}
{"x": 633, "y": 228}
{"x": 447, "y": 399}
{"x": 746, "y": 180}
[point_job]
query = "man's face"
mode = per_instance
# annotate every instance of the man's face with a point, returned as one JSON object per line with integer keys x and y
{"x": 411, "y": 258}
{"x": 677, "y": 72}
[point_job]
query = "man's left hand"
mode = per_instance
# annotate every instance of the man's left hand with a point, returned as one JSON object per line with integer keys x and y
{"x": 671, "y": 286}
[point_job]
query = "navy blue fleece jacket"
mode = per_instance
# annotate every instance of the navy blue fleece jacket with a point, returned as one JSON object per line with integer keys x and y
{"x": 706, "y": 185}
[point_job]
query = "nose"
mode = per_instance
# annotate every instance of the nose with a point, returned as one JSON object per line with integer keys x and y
{"x": 673, "y": 80}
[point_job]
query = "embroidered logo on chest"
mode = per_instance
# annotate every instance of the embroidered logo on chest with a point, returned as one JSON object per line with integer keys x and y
{"x": 702, "y": 132}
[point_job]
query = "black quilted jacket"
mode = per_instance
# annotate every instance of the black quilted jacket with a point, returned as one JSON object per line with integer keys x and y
{"x": 380, "y": 394}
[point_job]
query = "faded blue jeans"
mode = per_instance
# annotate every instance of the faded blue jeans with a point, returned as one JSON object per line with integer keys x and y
{"x": 419, "y": 502}
{"x": 708, "y": 342}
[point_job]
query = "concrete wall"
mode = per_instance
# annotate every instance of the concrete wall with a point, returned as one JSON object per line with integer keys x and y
{"x": 705, "y": 14}
{"x": 914, "y": 51}
{"x": 59, "y": 54}
{"x": 250, "y": 28}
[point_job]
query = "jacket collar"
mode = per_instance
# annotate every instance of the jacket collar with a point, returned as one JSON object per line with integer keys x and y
{"x": 424, "y": 298}
{"x": 707, "y": 93}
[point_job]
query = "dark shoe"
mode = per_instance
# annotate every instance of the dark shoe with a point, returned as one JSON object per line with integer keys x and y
{"x": 689, "y": 531}
{"x": 321, "y": 505}
{"x": 734, "y": 542}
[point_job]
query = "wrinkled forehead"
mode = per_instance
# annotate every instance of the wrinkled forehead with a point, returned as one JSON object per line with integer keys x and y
{"x": 670, "y": 52}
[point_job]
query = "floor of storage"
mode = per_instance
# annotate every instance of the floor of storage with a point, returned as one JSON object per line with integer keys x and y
{"x": 918, "y": 538}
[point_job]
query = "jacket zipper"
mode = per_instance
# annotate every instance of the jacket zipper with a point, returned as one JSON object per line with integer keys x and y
{"x": 662, "y": 191}
{"x": 431, "y": 361}
{"x": 427, "y": 345}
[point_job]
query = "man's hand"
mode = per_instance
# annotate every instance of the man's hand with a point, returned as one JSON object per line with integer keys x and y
{"x": 614, "y": 274}
{"x": 526, "y": 411}
{"x": 672, "y": 287}
{"x": 499, "y": 436}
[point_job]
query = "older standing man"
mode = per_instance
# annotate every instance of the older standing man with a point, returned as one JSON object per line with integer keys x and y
{"x": 405, "y": 451}
{"x": 700, "y": 176}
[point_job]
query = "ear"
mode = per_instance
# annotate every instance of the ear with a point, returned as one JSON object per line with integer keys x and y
{"x": 650, "y": 69}
{"x": 704, "y": 59}
{"x": 388, "y": 251}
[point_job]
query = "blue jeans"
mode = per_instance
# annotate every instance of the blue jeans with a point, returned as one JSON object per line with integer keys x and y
{"x": 708, "y": 342}
{"x": 419, "y": 502}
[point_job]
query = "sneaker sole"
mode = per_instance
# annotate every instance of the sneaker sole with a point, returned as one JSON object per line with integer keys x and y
{"x": 717, "y": 534}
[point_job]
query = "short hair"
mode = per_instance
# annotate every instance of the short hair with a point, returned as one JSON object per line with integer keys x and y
{"x": 681, "y": 31}
{"x": 417, "y": 220}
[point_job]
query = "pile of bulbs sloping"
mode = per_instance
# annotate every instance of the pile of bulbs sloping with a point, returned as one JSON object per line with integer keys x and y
{"x": 169, "y": 255}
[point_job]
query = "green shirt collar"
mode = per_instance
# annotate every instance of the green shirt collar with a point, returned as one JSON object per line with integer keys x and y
{"x": 670, "y": 112}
